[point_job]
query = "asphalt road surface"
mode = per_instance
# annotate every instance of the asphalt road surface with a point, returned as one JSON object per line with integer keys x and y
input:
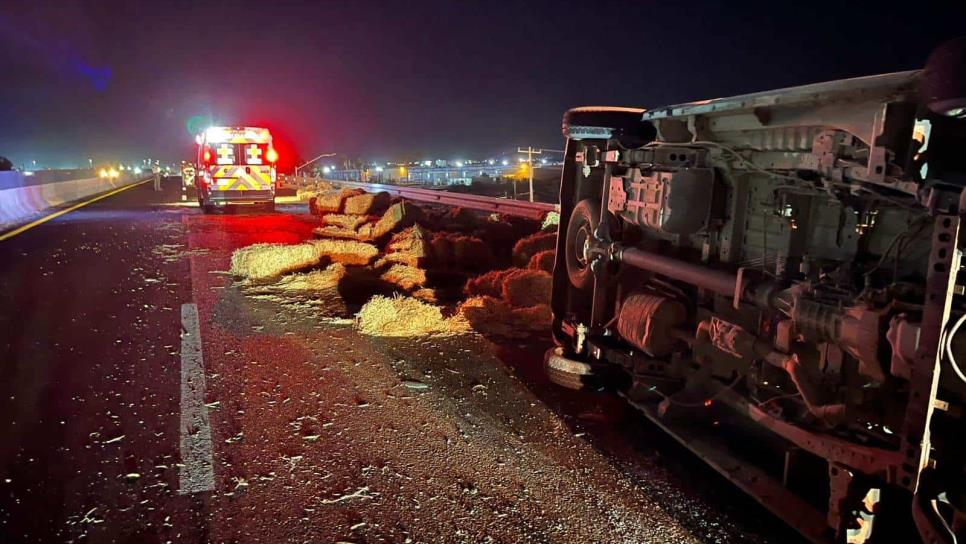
{"x": 128, "y": 419}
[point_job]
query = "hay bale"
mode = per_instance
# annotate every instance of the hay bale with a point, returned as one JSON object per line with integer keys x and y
{"x": 404, "y": 317}
{"x": 341, "y": 233}
{"x": 410, "y": 247}
{"x": 306, "y": 194}
{"x": 367, "y": 203}
{"x": 492, "y": 316}
{"x": 351, "y": 222}
{"x": 535, "y": 318}
{"x": 399, "y": 216}
{"x": 524, "y": 288}
{"x": 332, "y": 201}
{"x": 316, "y": 280}
{"x": 527, "y": 247}
{"x": 489, "y": 284}
{"x": 460, "y": 219}
{"x": 265, "y": 261}
{"x": 442, "y": 249}
{"x": 346, "y": 251}
{"x": 543, "y": 260}
{"x": 405, "y": 277}
{"x": 471, "y": 253}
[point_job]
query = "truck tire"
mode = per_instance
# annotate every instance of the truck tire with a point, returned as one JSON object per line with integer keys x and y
{"x": 583, "y": 220}
{"x": 270, "y": 207}
{"x": 571, "y": 373}
{"x": 943, "y": 82}
{"x": 603, "y": 122}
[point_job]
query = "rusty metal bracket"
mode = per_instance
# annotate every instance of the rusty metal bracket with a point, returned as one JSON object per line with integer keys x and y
{"x": 617, "y": 197}
{"x": 944, "y": 263}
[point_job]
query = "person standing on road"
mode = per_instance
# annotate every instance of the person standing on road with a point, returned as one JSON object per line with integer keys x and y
{"x": 156, "y": 170}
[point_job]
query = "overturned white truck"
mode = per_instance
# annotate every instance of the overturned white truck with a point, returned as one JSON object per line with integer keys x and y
{"x": 774, "y": 278}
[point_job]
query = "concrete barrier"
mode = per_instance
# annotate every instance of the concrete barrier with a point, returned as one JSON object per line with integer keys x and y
{"x": 24, "y": 201}
{"x": 9, "y": 180}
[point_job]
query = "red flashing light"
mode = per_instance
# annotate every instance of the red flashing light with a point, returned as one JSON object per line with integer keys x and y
{"x": 206, "y": 155}
{"x": 271, "y": 155}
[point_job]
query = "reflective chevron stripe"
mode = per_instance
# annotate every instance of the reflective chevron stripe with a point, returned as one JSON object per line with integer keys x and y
{"x": 259, "y": 178}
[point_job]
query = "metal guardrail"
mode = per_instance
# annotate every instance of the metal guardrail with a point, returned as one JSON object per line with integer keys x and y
{"x": 520, "y": 208}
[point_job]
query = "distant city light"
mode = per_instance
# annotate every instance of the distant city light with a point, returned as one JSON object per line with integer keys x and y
{"x": 427, "y": 163}
{"x": 459, "y": 164}
{"x": 326, "y": 169}
{"x": 137, "y": 170}
{"x": 378, "y": 169}
{"x": 28, "y": 173}
{"x": 491, "y": 161}
{"x": 505, "y": 162}
{"x": 543, "y": 161}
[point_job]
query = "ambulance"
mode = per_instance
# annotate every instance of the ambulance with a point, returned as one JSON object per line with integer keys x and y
{"x": 236, "y": 165}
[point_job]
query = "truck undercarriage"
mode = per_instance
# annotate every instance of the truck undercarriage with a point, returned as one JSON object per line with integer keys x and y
{"x": 773, "y": 278}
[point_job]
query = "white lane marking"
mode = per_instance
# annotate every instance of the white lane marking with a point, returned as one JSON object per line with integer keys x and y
{"x": 197, "y": 473}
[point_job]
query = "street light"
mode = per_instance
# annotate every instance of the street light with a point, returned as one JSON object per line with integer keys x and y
{"x": 313, "y": 160}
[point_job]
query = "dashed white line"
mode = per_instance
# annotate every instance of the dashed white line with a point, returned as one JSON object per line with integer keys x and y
{"x": 197, "y": 473}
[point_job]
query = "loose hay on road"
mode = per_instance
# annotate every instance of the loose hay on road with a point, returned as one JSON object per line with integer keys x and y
{"x": 267, "y": 261}
{"x": 316, "y": 280}
{"x": 406, "y": 316}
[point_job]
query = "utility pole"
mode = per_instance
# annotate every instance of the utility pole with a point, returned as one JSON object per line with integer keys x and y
{"x": 530, "y": 153}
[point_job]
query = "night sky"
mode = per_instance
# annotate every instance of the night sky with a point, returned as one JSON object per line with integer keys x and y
{"x": 409, "y": 80}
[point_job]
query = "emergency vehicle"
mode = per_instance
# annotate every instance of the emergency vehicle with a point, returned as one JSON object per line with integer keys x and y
{"x": 236, "y": 165}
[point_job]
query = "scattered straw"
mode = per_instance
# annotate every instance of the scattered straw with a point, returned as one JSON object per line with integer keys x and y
{"x": 406, "y": 316}
{"x": 316, "y": 280}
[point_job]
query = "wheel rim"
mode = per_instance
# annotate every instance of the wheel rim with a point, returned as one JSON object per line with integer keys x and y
{"x": 581, "y": 242}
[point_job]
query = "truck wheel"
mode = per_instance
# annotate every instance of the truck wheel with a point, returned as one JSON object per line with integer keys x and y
{"x": 583, "y": 220}
{"x": 207, "y": 208}
{"x": 571, "y": 373}
{"x": 270, "y": 207}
